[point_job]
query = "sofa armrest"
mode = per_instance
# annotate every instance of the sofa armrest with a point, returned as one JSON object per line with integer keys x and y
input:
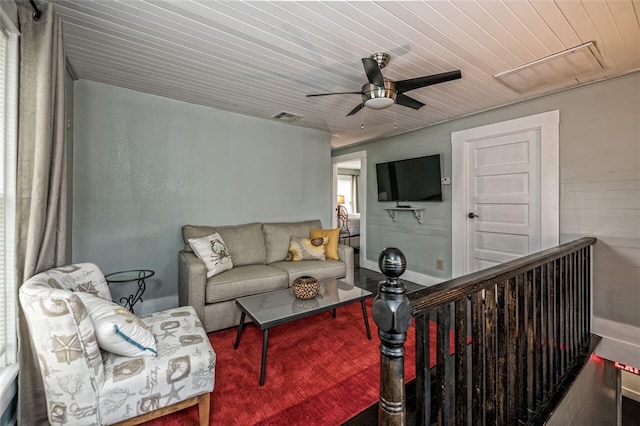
{"x": 345, "y": 253}
{"x": 192, "y": 278}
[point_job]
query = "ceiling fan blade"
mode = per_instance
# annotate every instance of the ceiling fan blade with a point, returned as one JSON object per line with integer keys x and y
{"x": 374, "y": 75}
{"x": 355, "y": 110}
{"x": 405, "y": 100}
{"x": 335, "y": 93}
{"x": 418, "y": 82}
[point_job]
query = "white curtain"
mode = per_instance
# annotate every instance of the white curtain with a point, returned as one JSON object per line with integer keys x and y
{"x": 41, "y": 181}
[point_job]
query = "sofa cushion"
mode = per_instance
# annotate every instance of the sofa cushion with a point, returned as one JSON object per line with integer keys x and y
{"x": 246, "y": 243}
{"x": 278, "y": 235}
{"x": 244, "y": 281}
{"x": 328, "y": 269}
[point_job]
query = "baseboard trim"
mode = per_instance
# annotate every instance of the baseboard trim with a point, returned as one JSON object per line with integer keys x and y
{"x": 415, "y": 277}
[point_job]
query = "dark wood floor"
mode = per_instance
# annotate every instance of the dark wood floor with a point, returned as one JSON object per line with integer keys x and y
{"x": 370, "y": 280}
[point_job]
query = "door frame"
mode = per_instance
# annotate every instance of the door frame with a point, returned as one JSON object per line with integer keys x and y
{"x": 362, "y": 196}
{"x": 548, "y": 124}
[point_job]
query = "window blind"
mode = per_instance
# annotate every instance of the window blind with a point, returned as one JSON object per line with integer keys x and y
{"x": 8, "y": 133}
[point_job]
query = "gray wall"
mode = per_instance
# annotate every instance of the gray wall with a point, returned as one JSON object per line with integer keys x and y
{"x": 423, "y": 243}
{"x": 145, "y": 165}
{"x": 599, "y": 188}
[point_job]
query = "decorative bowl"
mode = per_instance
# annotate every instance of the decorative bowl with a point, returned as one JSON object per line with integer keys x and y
{"x": 305, "y": 288}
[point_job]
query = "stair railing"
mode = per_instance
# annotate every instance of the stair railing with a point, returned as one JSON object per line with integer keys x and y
{"x": 498, "y": 346}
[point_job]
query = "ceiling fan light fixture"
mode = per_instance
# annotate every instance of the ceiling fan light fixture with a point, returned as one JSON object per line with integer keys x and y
{"x": 376, "y": 97}
{"x": 379, "y": 103}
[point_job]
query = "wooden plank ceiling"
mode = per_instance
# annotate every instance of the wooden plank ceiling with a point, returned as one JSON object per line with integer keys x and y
{"x": 261, "y": 58}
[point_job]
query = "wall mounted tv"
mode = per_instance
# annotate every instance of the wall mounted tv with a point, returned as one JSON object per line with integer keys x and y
{"x": 415, "y": 179}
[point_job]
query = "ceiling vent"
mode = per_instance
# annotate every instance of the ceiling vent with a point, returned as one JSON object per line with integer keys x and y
{"x": 287, "y": 116}
{"x": 560, "y": 67}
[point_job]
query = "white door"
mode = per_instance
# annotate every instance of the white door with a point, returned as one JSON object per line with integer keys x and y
{"x": 505, "y": 191}
{"x": 502, "y": 199}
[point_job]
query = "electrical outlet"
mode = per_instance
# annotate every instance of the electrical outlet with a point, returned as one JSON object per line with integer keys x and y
{"x": 440, "y": 264}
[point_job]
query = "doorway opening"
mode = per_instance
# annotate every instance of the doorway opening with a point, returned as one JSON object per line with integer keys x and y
{"x": 349, "y": 201}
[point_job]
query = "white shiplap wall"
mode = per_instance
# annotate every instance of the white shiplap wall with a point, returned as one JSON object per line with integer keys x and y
{"x": 600, "y": 196}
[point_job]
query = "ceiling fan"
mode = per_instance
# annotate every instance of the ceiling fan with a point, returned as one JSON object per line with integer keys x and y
{"x": 380, "y": 93}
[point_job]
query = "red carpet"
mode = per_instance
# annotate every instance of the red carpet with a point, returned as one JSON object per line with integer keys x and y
{"x": 320, "y": 371}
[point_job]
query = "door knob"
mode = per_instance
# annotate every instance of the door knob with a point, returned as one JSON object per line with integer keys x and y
{"x": 472, "y": 215}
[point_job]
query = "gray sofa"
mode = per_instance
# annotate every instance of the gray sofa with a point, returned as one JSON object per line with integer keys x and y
{"x": 257, "y": 251}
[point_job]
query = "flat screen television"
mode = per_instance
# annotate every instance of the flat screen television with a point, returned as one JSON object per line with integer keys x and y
{"x": 415, "y": 179}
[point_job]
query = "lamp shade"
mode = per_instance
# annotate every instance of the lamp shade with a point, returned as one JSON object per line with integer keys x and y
{"x": 340, "y": 199}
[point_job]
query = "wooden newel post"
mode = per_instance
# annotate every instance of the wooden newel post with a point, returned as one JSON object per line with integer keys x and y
{"x": 392, "y": 314}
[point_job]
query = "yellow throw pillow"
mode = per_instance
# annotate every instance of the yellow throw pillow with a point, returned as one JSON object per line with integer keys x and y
{"x": 307, "y": 248}
{"x": 333, "y": 236}
{"x": 332, "y": 245}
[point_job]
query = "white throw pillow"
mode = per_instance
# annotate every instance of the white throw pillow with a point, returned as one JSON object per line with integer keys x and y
{"x": 118, "y": 330}
{"x": 213, "y": 252}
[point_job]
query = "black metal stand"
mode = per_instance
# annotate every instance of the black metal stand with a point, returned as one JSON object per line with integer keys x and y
{"x": 138, "y": 276}
{"x": 129, "y": 301}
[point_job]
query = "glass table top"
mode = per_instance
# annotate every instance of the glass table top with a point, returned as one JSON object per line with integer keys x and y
{"x": 126, "y": 276}
{"x": 282, "y": 306}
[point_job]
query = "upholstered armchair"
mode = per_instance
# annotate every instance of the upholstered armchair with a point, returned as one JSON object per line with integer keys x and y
{"x": 71, "y": 320}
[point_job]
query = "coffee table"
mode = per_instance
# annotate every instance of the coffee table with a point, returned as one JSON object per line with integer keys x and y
{"x": 279, "y": 307}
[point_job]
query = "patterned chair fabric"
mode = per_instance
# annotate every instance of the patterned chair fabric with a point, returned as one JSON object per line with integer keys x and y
{"x": 84, "y": 385}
